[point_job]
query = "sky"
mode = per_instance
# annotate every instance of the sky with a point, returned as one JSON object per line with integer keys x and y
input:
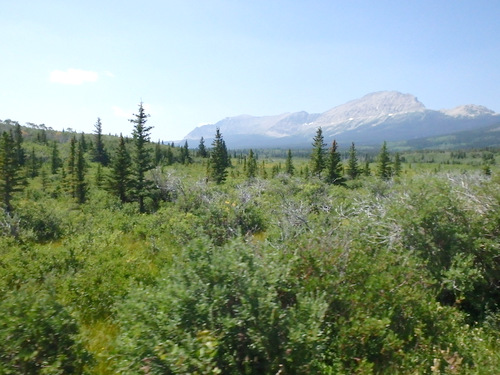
{"x": 66, "y": 63}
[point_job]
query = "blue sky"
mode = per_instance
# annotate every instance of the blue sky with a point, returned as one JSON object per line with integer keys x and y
{"x": 65, "y": 63}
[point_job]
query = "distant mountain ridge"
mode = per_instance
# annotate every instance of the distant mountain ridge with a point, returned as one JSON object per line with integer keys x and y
{"x": 379, "y": 116}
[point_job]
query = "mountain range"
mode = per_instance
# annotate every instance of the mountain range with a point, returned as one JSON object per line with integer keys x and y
{"x": 372, "y": 119}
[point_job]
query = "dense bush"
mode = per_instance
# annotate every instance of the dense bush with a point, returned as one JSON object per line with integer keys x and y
{"x": 38, "y": 336}
{"x": 234, "y": 309}
{"x": 41, "y": 221}
{"x": 281, "y": 275}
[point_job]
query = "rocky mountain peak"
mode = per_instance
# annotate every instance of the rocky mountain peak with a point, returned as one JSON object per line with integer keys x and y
{"x": 384, "y": 115}
{"x": 469, "y": 110}
{"x": 370, "y": 107}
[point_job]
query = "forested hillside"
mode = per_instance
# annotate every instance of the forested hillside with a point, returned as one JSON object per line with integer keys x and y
{"x": 126, "y": 256}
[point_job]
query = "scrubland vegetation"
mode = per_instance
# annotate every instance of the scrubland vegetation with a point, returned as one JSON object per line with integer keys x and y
{"x": 221, "y": 262}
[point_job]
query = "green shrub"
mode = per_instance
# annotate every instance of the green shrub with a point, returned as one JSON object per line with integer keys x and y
{"x": 221, "y": 309}
{"x": 38, "y": 336}
{"x": 42, "y": 221}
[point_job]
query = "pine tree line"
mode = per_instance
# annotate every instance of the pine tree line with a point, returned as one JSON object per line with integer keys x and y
{"x": 124, "y": 171}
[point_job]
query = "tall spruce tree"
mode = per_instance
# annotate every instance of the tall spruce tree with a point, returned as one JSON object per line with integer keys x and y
{"x": 119, "y": 182}
{"x": 71, "y": 167}
{"x": 218, "y": 163}
{"x": 185, "y": 156}
{"x": 9, "y": 171}
{"x": 289, "y": 168}
{"x": 18, "y": 146}
{"x": 55, "y": 160}
{"x": 202, "y": 150}
{"x": 80, "y": 184}
{"x": 318, "y": 154}
{"x": 366, "y": 170}
{"x": 353, "y": 169}
{"x": 158, "y": 154}
{"x": 384, "y": 163}
{"x": 33, "y": 164}
{"x": 226, "y": 158}
{"x": 100, "y": 155}
{"x": 142, "y": 156}
{"x": 83, "y": 142}
{"x": 334, "y": 168}
{"x": 251, "y": 170}
{"x": 396, "y": 170}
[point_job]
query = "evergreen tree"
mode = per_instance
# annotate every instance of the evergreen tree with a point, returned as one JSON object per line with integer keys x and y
{"x": 55, "y": 160}
{"x": 169, "y": 156}
{"x": 384, "y": 163}
{"x": 334, "y": 166}
{"x": 353, "y": 169}
{"x": 318, "y": 154}
{"x": 9, "y": 170}
{"x": 119, "y": 182}
{"x": 486, "y": 169}
{"x": 18, "y": 146}
{"x": 226, "y": 157}
{"x": 71, "y": 167}
{"x": 289, "y": 168}
{"x": 202, "y": 150}
{"x": 185, "y": 157}
{"x": 263, "y": 169}
{"x": 41, "y": 136}
{"x": 218, "y": 164}
{"x": 99, "y": 178}
{"x": 366, "y": 170}
{"x": 83, "y": 142}
{"x": 100, "y": 154}
{"x": 397, "y": 165}
{"x": 251, "y": 169}
{"x": 142, "y": 156}
{"x": 33, "y": 164}
{"x": 80, "y": 184}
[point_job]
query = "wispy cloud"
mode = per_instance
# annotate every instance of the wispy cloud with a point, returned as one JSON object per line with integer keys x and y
{"x": 73, "y": 76}
{"x": 119, "y": 112}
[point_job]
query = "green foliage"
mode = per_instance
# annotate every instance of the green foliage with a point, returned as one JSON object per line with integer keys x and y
{"x": 279, "y": 273}
{"x": 218, "y": 163}
{"x": 141, "y": 157}
{"x": 38, "y": 335}
{"x": 334, "y": 168}
{"x": 18, "y": 146}
{"x": 41, "y": 221}
{"x": 384, "y": 163}
{"x": 289, "y": 167}
{"x": 396, "y": 169}
{"x": 353, "y": 169}
{"x": 202, "y": 150}
{"x": 9, "y": 170}
{"x": 99, "y": 155}
{"x": 55, "y": 161}
{"x": 185, "y": 157}
{"x": 225, "y": 313}
{"x": 119, "y": 179}
{"x": 251, "y": 167}
{"x": 80, "y": 168}
{"x": 318, "y": 162}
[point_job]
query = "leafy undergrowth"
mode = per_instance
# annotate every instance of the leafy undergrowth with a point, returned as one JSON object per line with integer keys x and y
{"x": 267, "y": 276}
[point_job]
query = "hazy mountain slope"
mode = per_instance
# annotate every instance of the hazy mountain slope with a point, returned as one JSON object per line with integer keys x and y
{"x": 484, "y": 137}
{"x": 385, "y": 115}
{"x": 372, "y": 109}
